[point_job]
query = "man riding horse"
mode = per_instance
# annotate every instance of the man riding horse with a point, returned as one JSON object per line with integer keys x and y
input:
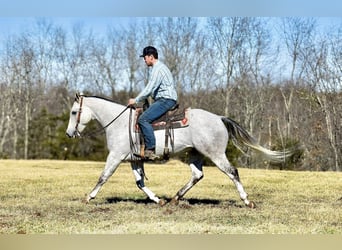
{"x": 162, "y": 89}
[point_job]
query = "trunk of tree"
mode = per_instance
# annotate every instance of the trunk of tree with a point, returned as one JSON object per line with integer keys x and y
{"x": 4, "y": 130}
{"x": 27, "y": 132}
{"x": 288, "y": 112}
{"x": 15, "y": 140}
{"x": 330, "y": 131}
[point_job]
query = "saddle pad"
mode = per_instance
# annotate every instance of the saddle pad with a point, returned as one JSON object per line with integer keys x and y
{"x": 179, "y": 118}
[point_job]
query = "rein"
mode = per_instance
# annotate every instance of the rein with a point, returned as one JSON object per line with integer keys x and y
{"x": 100, "y": 129}
{"x": 132, "y": 144}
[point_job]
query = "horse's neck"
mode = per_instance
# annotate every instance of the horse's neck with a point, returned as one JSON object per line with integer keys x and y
{"x": 103, "y": 110}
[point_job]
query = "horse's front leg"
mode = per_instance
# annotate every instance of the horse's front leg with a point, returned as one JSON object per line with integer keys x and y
{"x": 111, "y": 165}
{"x": 138, "y": 171}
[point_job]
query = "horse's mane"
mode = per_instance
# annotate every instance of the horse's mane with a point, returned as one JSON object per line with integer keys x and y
{"x": 100, "y": 97}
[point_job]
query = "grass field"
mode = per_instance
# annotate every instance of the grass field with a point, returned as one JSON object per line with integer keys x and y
{"x": 46, "y": 197}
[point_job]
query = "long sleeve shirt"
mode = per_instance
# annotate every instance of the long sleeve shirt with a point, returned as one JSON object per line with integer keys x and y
{"x": 160, "y": 84}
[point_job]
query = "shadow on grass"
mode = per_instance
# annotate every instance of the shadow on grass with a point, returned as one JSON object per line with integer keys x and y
{"x": 137, "y": 200}
{"x": 190, "y": 201}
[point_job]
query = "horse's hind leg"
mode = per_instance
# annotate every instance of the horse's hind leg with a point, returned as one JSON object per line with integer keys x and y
{"x": 196, "y": 164}
{"x": 139, "y": 175}
{"x": 224, "y": 165}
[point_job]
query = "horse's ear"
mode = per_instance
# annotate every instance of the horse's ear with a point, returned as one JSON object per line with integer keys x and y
{"x": 77, "y": 97}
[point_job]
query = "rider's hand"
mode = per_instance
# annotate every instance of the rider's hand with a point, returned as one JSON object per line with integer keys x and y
{"x": 131, "y": 102}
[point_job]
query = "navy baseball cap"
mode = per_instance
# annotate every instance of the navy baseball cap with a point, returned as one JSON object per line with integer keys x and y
{"x": 149, "y": 50}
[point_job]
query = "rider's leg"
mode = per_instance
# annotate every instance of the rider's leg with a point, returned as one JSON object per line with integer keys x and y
{"x": 156, "y": 110}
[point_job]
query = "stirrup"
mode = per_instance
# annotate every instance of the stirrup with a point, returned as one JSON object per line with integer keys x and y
{"x": 144, "y": 158}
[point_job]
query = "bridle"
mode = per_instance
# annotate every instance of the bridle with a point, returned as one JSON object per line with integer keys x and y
{"x": 78, "y": 120}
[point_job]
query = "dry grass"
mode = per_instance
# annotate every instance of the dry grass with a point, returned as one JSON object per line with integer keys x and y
{"x": 46, "y": 197}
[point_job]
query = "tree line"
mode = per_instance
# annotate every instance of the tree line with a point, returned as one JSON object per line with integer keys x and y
{"x": 280, "y": 78}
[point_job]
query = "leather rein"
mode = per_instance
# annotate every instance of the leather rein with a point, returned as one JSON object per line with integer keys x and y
{"x": 78, "y": 120}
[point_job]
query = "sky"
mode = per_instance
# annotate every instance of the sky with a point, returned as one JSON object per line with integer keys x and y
{"x": 102, "y": 8}
{"x": 18, "y": 15}
{"x": 10, "y": 25}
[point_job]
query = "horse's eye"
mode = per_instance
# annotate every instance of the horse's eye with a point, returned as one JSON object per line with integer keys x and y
{"x": 73, "y": 112}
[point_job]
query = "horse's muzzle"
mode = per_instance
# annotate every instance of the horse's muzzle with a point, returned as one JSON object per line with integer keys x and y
{"x": 67, "y": 134}
{"x": 73, "y": 135}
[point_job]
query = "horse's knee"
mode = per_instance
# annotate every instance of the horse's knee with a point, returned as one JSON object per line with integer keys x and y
{"x": 105, "y": 176}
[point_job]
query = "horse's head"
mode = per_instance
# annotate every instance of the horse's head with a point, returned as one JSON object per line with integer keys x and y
{"x": 80, "y": 115}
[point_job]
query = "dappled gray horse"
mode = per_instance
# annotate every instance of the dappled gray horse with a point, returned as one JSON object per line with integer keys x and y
{"x": 206, "y": 136}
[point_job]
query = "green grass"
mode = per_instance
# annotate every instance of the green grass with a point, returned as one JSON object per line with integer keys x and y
{"x": 46, "y": 197}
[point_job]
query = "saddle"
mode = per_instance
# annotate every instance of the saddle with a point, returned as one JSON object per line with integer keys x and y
{"x": 175, "y": 118}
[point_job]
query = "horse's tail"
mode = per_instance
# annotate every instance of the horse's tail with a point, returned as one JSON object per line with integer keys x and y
{"x": 241, "y": 136}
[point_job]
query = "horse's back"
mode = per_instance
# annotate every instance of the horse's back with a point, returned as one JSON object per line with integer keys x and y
{"x": 207, "y": 128}
{"x": 203, "y": 116}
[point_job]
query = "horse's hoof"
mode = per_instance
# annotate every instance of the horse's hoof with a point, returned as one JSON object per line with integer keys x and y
{"x": 86, "y": 200}
{"x": 162, "y": 202}
{"x": 251, "y": 204}
{"x": 174, "y": 202}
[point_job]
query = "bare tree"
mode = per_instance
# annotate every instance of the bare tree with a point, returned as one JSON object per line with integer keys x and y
{"x": 20, "y": 63}
{"x": 253, "y": 74}
{"x": 176, "y": 40}
{"x": 132, "y": 51}
{"x": 298, "y": 34}
{"x": 103, "y": 64}
{"x": 228, "y": 35}
{"x": 9, "y": 107}
{"x": 324, "y": 76}
{"x": 6, "y": 112}
{"x": 70, "y": 52}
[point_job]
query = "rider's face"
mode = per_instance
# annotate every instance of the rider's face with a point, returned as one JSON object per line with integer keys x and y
{"x": 148, "y": 60}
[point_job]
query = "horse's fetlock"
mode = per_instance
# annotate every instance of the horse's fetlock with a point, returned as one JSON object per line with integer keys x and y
{"x": 139, "y": 184}
{"x": 235, "y": 173}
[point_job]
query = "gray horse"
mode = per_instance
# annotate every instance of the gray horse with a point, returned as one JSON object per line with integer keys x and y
{"x": 207, "y": 135}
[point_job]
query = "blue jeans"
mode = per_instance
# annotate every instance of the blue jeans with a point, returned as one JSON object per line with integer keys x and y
{"x": 156, "y": 110}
